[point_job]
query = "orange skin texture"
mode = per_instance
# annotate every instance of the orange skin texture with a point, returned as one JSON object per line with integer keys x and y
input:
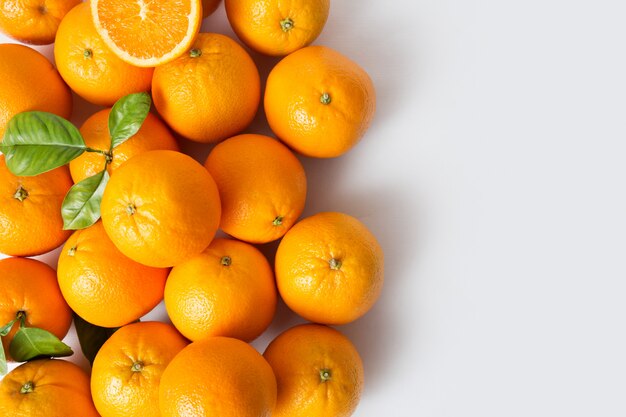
{"x": 147, "y": 33}
{"x": 153, "y": 135}
{"x": 28, "y": 81}
{"x": 32, "y": 226}
{"x": 316, "y": 289}
{"x": 204, "y": 297}
{"x": 260, "y": 180}
{"x": 33, "y": 21}
{"x": 295, "y": 89}
{"x": 117, "y": 390}
{"x": 209, "y": 6}
{"x": 209, "y": 97}
{"x": 89, "y": 67}
{"x": 161, "y": 208}
{"x": 102, "y": 285}
{"x": 30, "y": 286}
{"x": 299, "y": 356}
{"x": 61, "y": 389}
{"x": 259, "y": 23}
{"x": 218, "y": 376}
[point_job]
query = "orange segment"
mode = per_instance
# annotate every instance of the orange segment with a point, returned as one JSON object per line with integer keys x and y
{"x": 147, "y": 33}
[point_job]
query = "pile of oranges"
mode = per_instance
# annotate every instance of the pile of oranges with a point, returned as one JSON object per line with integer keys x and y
{"x": 162, "y": 212}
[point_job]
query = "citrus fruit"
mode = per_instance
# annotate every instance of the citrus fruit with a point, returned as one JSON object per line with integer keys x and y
{"x": 209, "y": 93}
{"x": 319, "y": 102}
{"x": 147, "y": 33}
{"x": 161, "y": 208}
{"x": 318, "y": 372}
{"x": 262, "y": 187}
{"x": 29, "y": 290}
{"x": 33, "y": 21}
{"x": 228, "y": 290}
{"x": 127, "y": 370}
{"x": 46, "y": 387}
{"x": 102, "y": 285}
{"x": 275, "y": 27}
{"x": 217, "y": 376}
{"x": 153, "y": 135}
{"x": 89, "y": 67}
{"x": 329, "y": 268}
{"x": 209, "y": 6}
{"x": 28, "y": 81}
{"x": 30, "y": 211}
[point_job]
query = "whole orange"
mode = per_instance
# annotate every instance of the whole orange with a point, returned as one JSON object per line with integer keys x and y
{"x": 275, "y": 27}
{"x": 209, "y": 93}
{"x": 228, "y": 290}
{"x": 153, "y": 135}
{"x": 127, "y": 370}
{"x": 319, "y": 102}
{"x": 33, "y": 21}
{"x": 30, "y": 211}
{"x": 46, "y": 387}
{"x": 161, "y": 208}
{"x": 89, "y": 67}
{"x": 209, "y": 6}
{"x": 329, "y": 268}
{"x": 29, "y": 289}
{"x": 28, "y": 81}
{"x": 262, "y": 186}
{"x": 102, "y": 285}
{"x": 218, "y": 376}
{"x": 318, "y": 372}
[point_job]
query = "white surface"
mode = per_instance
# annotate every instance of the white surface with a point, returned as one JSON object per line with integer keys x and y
{"x": 493, "y": 176}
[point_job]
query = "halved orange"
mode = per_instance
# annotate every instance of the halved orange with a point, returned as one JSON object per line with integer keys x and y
{"x": 147, "y": 33}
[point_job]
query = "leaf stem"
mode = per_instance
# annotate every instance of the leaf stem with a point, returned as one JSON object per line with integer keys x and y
{"x": 107, "y": 155}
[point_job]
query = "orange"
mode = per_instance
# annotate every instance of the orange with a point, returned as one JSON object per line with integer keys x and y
{"x": 318, "y": 372}
{"x": 29, "y": 289}
{"x": 218, "y": 376}
{"x": 153, "y": 135}
{"x": 161, "y": 208}
{"x": 211, "y": 92}
{"x": 127, "y": 370}
{"x": 30, "y": 211}
{"x": 262, "y": 186}
{"x": 33, "y": 21}
{"x": 28, "y": 81}
{"x": 103, "y": 286}
{"x": 329, "y": 268}
{"x": 319, "y": 102}
{"x": 228, "y": 290}
{"x": 89, "y": 67}
{"x": 275, "y": 27}
{"x": 209, "y": 6}
{"x": 46, "y": 387}
{"x": 147, "y": 33}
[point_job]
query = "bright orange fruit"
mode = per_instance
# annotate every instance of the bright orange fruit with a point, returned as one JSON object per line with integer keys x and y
{"x": 228, "y": 290}
{"x": 262, "y": 187}
{"x": 319, "y": 102}
{"x": 329, "y": 268}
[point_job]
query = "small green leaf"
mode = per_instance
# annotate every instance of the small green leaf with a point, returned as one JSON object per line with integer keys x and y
{"x": 4, "y": 330}
{"x": 127, "y": 116}
{"x": 36, "y": 142}
{"x": 81, "y": 206}
{"x": 31, "y": 342}
{"x": 91, "y": 337}
{"x": 3, "y": 360}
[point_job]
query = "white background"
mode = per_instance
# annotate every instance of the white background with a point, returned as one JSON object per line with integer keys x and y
{"x": 494, "y": 178}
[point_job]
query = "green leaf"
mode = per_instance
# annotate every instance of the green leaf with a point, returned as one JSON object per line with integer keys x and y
{"x": 3, "y": 360}
{"x": 81, "y": 206}
{"x": 31, "y": 342}
{"x": 36, "y": 142}
{"x": 4, "y": 330}
{"x": 127, "y": 116}
{"x": 91, "y": 337}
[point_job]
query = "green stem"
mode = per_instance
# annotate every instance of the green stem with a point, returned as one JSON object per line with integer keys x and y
{"x": 108, "y": 156}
